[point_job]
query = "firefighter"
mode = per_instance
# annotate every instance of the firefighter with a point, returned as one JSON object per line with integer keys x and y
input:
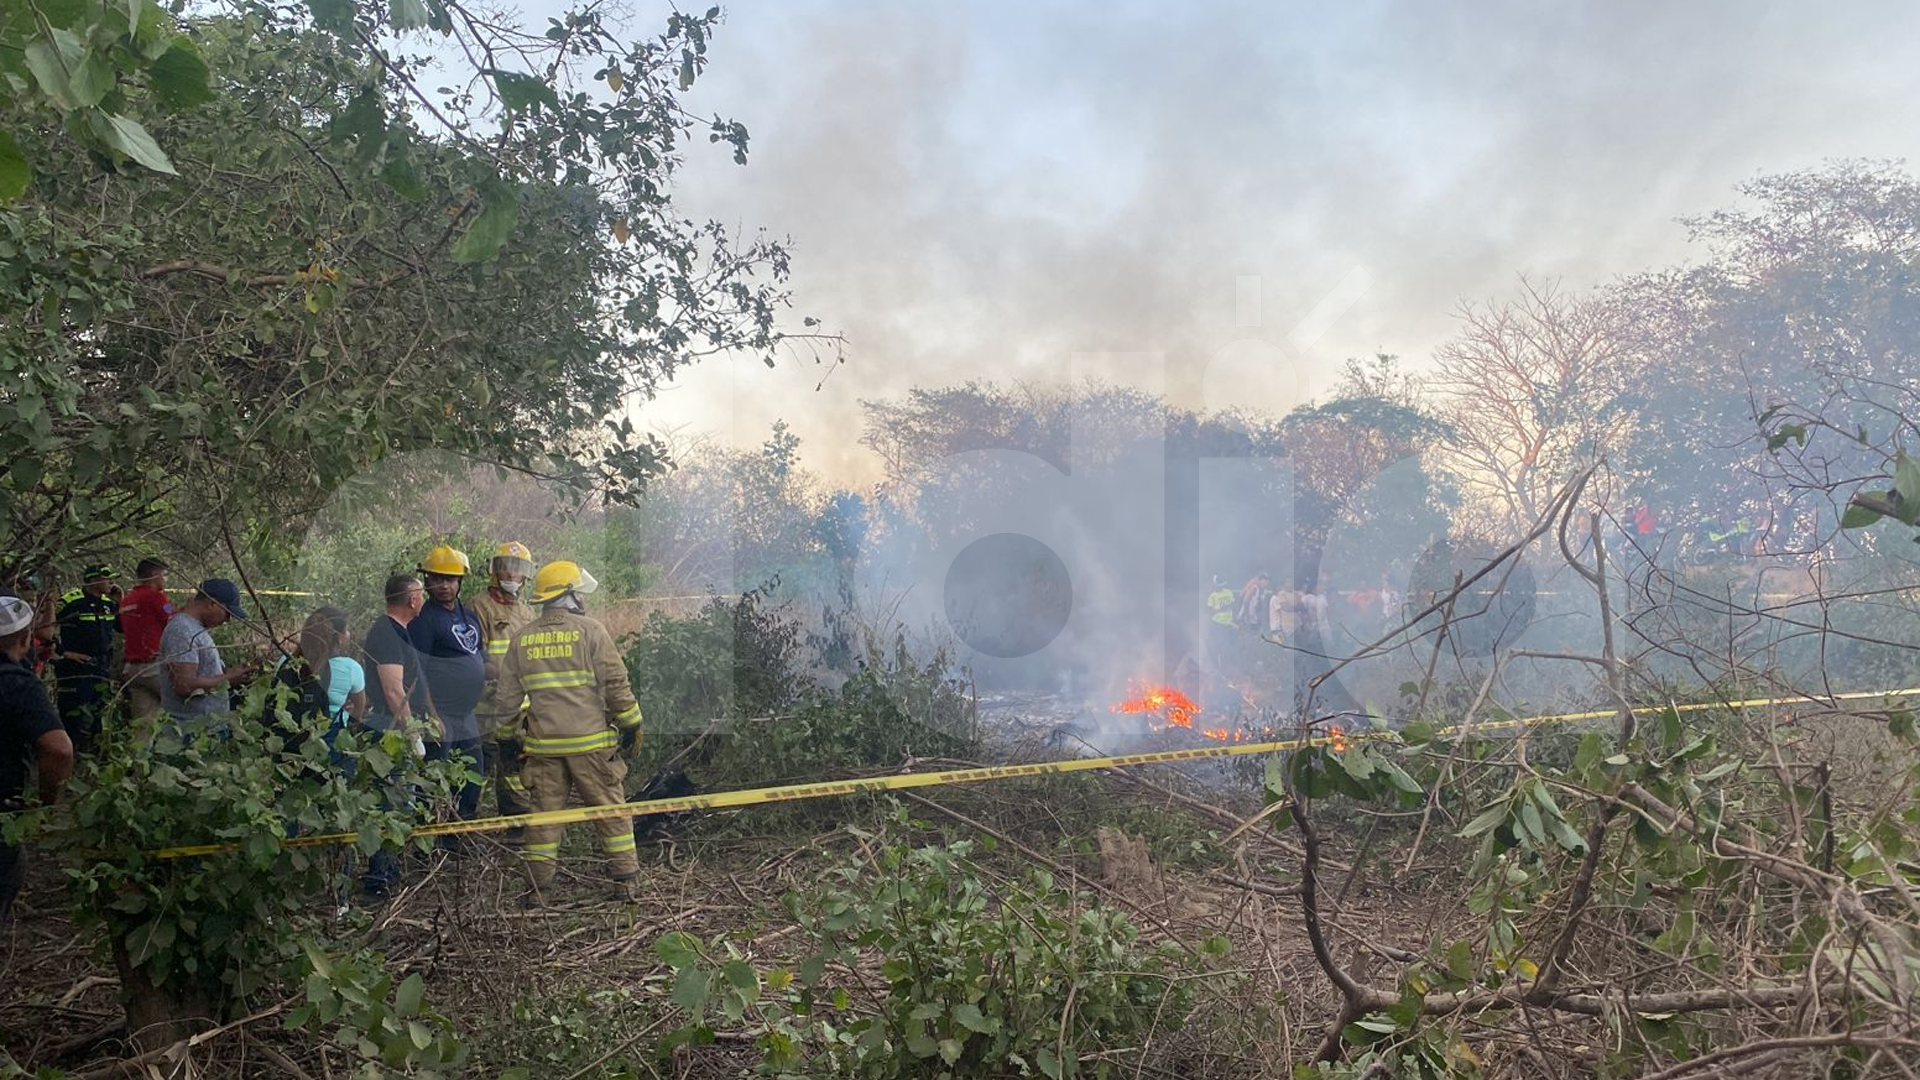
{"x": 83, "y": 658}
{"x": 501, "y": 612}
{"x": 446, "y": 633}
{"x": 1220, "y": 605}
{"x": 581, "y": 721}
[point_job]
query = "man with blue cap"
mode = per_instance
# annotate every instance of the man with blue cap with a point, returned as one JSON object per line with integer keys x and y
{"x": 194, "y": 689}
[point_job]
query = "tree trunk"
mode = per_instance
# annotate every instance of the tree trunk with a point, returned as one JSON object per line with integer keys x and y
{"x": 156, "y": 1017}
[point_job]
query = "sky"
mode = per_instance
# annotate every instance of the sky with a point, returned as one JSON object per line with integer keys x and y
{"x": 1223, "y": 201}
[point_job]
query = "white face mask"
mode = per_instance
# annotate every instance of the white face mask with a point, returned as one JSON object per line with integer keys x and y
{"x": 511, "y": 588}
{"x": 571, "y": 602}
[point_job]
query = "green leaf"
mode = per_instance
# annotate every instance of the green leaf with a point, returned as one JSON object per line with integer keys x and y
{"x": 151, "y": 28}
{"x": 377, "y": 759}
{"x": 1048, "y": 1064}
{"x": 131, "y": 139}
{"x": 180, "y": 77}
{"x": 677, "y": 950}
{"x": 421, "y": 1034}
{"x": 1588, "y": 754}
{"x": 1356, "y": 763}
{"x": 811, "y": 970}
{"x": 408, "y": 14}
{"x": 690, "y": 990}
{"x": 1794, "y": 432}
{"x": 14, "y": 172}
{"x": 406, "y": 1000}
{"x": 1398, "y": 777}
{"x": 1564, "y": 835}
{"x": 1490, "y": 818}
{"x": 398, "y": 171}
{"x": 1460, "y": 960}
{"x": 489, "y": 231}
{"x": 1906, "y": 479}
{"x": 969, "y": 1016}
{"x": 150, "y": 938}
{"x": 1858, "y": 517}
{"x": 1276, "y": 779}
{"x": 92, "y": 79}
{"x": 53, "y": 62}
{"x": 1530, "y": 821}
{"x": 519, "y": 92}
{"x": 334, "y": 15}
{"x": 950, "y": 1050}
{"x": 741, "y": 976}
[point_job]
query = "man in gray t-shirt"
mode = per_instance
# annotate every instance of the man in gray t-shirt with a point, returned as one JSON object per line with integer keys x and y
{"x": 196, "y": 680}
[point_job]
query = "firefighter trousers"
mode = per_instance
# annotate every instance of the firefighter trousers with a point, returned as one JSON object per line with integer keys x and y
{"x": 599, "y": 778}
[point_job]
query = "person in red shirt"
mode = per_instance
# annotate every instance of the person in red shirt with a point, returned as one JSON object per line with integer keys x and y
{"x": 144, "y": 612}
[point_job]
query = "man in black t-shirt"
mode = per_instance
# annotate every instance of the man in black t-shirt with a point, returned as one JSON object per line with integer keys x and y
{"x": 30, "y": 733}
{"x": 396, "y": 687}
{"x": 396, "y": 693}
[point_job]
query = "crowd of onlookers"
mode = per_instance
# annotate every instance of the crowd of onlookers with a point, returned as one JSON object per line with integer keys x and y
{"x": 1259, "y": 607}
{"x": 424, "y": 667}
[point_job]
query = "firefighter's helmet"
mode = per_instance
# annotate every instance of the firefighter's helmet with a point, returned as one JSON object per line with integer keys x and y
{"x": 446, "y": 560}
{"x": 560, "y": 577}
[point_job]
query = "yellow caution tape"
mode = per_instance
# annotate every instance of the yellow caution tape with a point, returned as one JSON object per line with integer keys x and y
{"x": 901, "y": 781}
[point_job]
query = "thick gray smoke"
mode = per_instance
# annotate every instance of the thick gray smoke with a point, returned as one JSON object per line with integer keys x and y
{"x": 985, "y": 190}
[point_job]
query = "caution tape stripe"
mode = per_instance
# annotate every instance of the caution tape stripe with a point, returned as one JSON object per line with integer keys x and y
{"x": 901, "y": 781}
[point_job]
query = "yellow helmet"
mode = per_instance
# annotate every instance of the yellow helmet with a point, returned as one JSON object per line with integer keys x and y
{"x": 511, "y": 557}
{"x": 560, "y": 577}
{"x": 445, "y": 560}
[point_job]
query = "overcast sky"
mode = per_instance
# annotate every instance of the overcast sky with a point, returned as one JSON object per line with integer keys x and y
{"x": 1000, "y": 190}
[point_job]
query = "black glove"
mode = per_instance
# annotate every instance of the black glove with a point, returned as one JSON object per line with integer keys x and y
{"x": 629, "y": 741}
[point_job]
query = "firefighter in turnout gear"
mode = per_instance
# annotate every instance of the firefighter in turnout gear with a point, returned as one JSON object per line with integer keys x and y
{"x": 581, "y": 718}
{"x": 83, "y": 658}
{"x": 502, "y": 612}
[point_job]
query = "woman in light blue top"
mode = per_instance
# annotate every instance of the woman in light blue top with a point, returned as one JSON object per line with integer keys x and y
{"x": 327, "y": 647}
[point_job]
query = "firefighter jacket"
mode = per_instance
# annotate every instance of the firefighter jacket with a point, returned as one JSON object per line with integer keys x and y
{"x": 1220, "y": 602}
{"x": 498, "y": 622}
{"x": 578, "y": 697}
{"x": 87, "y": 625}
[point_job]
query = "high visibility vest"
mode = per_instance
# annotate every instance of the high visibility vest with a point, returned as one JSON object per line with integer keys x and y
{"x": 1221, "y": 602}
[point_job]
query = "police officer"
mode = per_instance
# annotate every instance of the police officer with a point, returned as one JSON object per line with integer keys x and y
{"x": 83, "y": 656}
{"x": 582, "y": 719}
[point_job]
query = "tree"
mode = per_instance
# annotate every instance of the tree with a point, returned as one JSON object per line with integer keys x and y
{"x": 1530, "y": 389}
{"x": 1804, "y": 316}
{"x": 342, "y": 265}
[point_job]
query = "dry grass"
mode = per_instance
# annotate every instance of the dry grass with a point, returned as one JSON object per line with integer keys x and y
{"x": 487, "y": 959}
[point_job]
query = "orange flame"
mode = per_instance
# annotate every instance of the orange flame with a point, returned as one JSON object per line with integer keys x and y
{"x": 1177, "y": 707}
{"x": 1336, "y": 738}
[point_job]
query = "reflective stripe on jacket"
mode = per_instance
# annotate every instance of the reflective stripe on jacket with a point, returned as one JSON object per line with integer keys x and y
{"x": 1221, "y": 602}
{"x": 574, "y": 681}
{"x": 498, "y": 622}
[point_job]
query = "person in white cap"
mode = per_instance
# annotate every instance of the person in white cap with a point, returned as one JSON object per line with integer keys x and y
{"x": 30, "y": 733}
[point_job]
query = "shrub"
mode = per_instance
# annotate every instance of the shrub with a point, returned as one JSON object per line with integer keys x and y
{"x": 204, "y": 935}
{"x": 979, "y": 981}
{"x": 739, "y": 660}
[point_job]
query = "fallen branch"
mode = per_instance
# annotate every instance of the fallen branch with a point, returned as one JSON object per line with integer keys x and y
{"x": 1766, "y": 1046}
